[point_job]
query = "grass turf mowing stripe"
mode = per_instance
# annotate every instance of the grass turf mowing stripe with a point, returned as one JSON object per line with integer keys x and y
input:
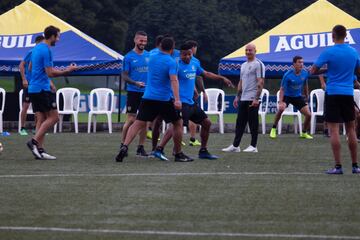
{"x": 154, "y": 174}
{"x": 172, "y": 233}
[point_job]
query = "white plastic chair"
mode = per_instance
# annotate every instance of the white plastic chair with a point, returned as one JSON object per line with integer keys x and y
{"x": 264, "y": 109}
{"x": 105, "y": 105}
{"x": 3, "y": 95}
{"x": 289, "y": 111}
{"x": 71, "y": 100}
{"x": 212, "y": 105}
{"x": 319, "y": 94}
{"x": 29, "y": 111}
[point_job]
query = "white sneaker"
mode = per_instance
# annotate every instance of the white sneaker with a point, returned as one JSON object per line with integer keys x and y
{"x": 251, "y": 149}
{"x": 231, "y": 148}
{"x": 46, "y": 156}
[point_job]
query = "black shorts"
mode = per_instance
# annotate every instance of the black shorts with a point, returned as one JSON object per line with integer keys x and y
{"x": 150, "y": 109}
{"x": 339, "y": 108}
{"x": 193, "y": 113}
{"x": 133, "y": 101}
{"x": 43, "y": 101}
{"x": 25, "y": 96}
{"x": 297, "y": 102}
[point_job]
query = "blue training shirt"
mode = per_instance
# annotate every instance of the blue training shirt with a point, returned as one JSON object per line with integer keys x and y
{"x": 293, "y": 84}
{"x": 187, "y": 75}
{"x": 154, "y": 51}
{"x": 27, "y": 60}
{"x": 341, "y": 60}
{"x": 137, "y": 67}
{"x": 161, "y": 66}
{"x": 41, "y": 58}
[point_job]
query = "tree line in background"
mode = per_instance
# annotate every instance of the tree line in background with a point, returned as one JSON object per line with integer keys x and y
{"x": 219, "y": 26}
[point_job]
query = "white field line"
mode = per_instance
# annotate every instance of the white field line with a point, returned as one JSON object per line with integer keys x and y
{"x": 172, "y": 233}
{"x": 153, "y": 174}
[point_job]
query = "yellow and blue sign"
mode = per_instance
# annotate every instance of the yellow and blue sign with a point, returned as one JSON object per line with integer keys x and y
{"x": 307, "y": 34}
{"x": 20, "y": 26}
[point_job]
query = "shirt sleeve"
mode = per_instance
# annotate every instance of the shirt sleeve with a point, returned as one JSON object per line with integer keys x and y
{"x": 284, "y": 81}
{"x": 323, "y": 59}
{"x": 27, "y": 58}
{"x": 48, "y": 59}
{"x": 127, "y": 64}
{"x": 173, "y": 68}
{"x": 260, "y": 70}
{"x": 199, "y": 70}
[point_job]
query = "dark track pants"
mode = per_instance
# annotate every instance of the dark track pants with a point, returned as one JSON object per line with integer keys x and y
{"x": 246, "y": 114}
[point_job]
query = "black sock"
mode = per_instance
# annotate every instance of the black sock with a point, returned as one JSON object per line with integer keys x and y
{"x": 192, "y": 139}
{"x": 274, "y": 126}
{"x": 326, "y": 131}
{"x": 150, "y": 129}
{"x": 22, "y": 128}
{"x": 41, "y": 150}
{"x": 34, "y": 142}
{"x": 161, "y": 149}
{"x": 337, "y": 166}
{"x": 203, "y": 149}
{"x": 355, "y": 165}
{"x": 178, "y": 154}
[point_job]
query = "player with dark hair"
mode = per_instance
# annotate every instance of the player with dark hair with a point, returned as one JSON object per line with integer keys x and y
{"x": 43, "y": 101}
{"x": 342, "y": 62}
{"x": 162, "y": 86}
{"x": 294, "y": 81}
{"x": 135, "y": 75}
{"x": 25, "y": 76}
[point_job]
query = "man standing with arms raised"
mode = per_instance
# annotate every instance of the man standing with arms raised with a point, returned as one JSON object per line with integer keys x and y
{"x": 249, "y": 90}
{"x": 342, "y": 61}
{"x": 162, "y": 83}
{"x": 43, "y": 102}
{"x": 135, "y": 75}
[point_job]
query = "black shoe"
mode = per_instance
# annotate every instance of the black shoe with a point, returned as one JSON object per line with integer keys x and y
{"x": 34, "y": 148}
{"x": 141, "y": 151}
{"x": 122, "y": 153}
{"x": 181, "y": 157}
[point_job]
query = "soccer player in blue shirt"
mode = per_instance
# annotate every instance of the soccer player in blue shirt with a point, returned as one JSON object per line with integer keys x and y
{"x": 189, "y": 69}
{"x": 292, "y": 84}
{"x": 135, "y": 75}
{"x": 162, "y": 86}
{"x": 342, "y": 62}
{"x": 25, "y": 76}
{"x": 43, "y": 102}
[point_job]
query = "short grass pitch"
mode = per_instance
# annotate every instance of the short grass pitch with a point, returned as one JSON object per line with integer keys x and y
{"x": 279, "y": 193}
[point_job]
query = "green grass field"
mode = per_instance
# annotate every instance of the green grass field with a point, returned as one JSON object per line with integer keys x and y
{"x": 279, "y": 193}
{"x": 228, "y": 118}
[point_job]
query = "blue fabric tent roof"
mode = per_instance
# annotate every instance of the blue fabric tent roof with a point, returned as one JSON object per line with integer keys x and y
{"x": 93, "y": 57}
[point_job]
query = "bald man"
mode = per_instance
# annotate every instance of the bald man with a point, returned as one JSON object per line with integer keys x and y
{"x": 247, "y": 101}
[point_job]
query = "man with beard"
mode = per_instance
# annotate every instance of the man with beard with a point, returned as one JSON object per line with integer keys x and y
{"x": 135, "y": 75}
{"x": 162, "y": 87}
{"x": 43, "y": 102}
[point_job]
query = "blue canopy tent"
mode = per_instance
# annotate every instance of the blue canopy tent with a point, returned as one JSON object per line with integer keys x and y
{"x": 19, "y": 28}
{"x": 307, "y": 34}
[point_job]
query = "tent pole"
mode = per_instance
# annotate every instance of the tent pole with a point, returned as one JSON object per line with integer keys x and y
{"x": 119, "y": 100}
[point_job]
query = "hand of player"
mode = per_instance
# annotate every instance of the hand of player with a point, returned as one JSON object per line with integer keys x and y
{"x": 255, "y": 103}
{"x": 140, "y": 84}
{"x": 177, "y": 104}
{"x": 72, "y": 67}
{"x": 282, "y": 106}
{"x": 25, "y": 83}
{"x": 228, "y": 82}
{"x": 236, "y": 102}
